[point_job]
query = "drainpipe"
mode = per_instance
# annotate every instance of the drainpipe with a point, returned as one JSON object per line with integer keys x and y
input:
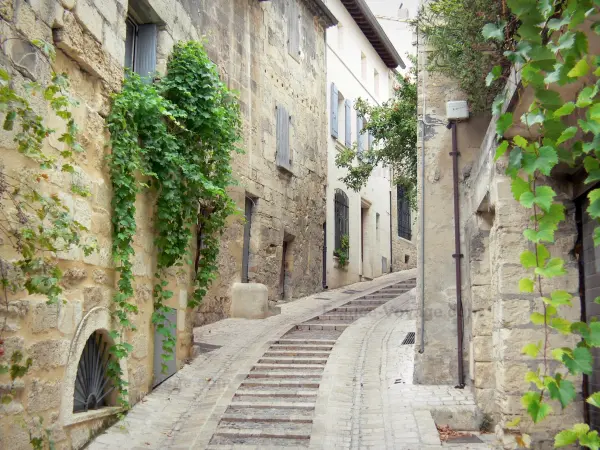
{"x": 391, "y": 228}
{"x": 457, "y": 256}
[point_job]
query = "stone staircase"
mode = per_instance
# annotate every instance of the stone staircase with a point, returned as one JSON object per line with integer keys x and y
{"x": 274, "y": 405}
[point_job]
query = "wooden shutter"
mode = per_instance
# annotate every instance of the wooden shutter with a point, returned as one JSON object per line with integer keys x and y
{"x": 283, "y": 157}
{"x": 145, "y": 53}
{"x": 348, "y": 117}
{"x": 359, "y": 136}
{"x": 293, "y": 30}
{"x": 334, "y": 112}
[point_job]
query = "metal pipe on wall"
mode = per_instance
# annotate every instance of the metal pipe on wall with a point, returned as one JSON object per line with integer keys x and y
{"x": 457, "y": 255}
{"x": 391, "y": 235}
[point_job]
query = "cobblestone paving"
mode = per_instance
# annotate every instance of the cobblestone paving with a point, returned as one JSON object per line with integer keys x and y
{"x": 184, "y": 411}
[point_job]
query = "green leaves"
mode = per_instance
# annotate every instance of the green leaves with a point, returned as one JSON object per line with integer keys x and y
{"x": 532, "y": 350}
{"x": 526, "y": 285}
{"x": 578, "y": 361}
{"x": 493, "y": 75}
{"x": 553, "y": 268}
{"x": 543, "y": 197}
{"x": 494, "y": 31}
{"x": 501, "y": 150}
{"x": 566, "y": 135}
{"x": 564, "y": 110}
{"x": 581, "y": 68}
{"x": 561, "y": 390}
{"x": 586, "y": 96}
{"x": 532, "y": 401}
{"x": 504, "y": 123}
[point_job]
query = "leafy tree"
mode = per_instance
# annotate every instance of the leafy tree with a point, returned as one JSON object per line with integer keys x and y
{"x": 393, "y": 127}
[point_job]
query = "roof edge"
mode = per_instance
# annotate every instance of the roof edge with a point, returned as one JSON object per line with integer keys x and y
{"x": 392, "y": 53}
{"x": 321, "y": 10}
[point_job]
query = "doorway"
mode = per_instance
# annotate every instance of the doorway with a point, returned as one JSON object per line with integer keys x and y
{"x": 285, "y": 273}
{"x": 324, "y": 255}
{"x": 159, "y": 350}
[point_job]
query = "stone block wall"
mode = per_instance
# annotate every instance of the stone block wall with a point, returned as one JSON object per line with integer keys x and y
{"x": 247, "y": 39}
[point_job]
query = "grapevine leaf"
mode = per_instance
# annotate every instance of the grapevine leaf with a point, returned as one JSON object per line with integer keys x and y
{"x": 581, "y": 68}
{"x": 561, "y": 390}
{"x": 561, "y": 325}
{"x": 564, "y": 438}
{"x": 594, "y": 399}
{"x": 560, "y": 297}
{"x": 536, "y": 409}
{"x": 528, "y": 259}
{"x": 493, "y": 31}
{"x": 515, "y": 159}
{"x": 553, "y": 268}
{"x": 579, "y": 361}
{"x": 504, "y": 123}
{"x": 532, "y": 349}
{"x": 566, "y": 135}
{"x": 518, "y": 187}
{"x": 526, "y": 285}
{"x": 537, "y": 318}
{"x": 586, "y": 96}
{"x": 564, "y": 110}
{"x": 493, "y": 75}
{"x": 501, "y": 150}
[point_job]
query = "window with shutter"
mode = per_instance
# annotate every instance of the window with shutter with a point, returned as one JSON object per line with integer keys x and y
{"x": 293, "y": 30}
{"x": 359, "y": 135}
{"x": 341, "y": 216}
{"x": 283, "y": 154}
{"x": 334, "y": 111}
{"x": 404, "y": 225}
{"x": 140, "y": 47}
{"x": 347, "y": 122}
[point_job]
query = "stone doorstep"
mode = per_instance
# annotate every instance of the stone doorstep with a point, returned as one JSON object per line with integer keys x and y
{"x": 275, "y": 405}
{"x": 288, "y": 352}
{"x": 458, "y": 417}
{"x": 293, "y": 360}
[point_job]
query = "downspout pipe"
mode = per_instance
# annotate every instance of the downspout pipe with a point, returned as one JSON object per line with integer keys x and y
{"x": 457, "y": 256}
{"x": 391, "y": 235}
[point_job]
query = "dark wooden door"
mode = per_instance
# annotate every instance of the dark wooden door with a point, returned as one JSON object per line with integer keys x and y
{"x": 246, "y": 249}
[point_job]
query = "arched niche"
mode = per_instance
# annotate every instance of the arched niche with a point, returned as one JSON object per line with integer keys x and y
{"x": 97, "y": 320}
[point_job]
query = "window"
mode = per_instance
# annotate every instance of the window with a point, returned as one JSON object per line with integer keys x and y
{"x": 340, "y": 216}
{"x": 140, "y": 47}
{"x": 348, "y": 123}
{"x": 404, "y": 225}
{"x": 363, "y": 66}
{"x": 92, "y": 384}
{"x": 293, "y": 30}
{"x": 249, "y": 206}
{"x": 376, "y": 82}
{"x": 283, "y": 155}
{"x": 334, "y": 116}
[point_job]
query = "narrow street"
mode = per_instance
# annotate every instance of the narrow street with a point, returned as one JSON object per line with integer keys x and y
{"x": 333, "y": 370}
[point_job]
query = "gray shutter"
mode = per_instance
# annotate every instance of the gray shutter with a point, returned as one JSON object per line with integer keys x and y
{"x": 348, "y": 123}
{"x": 371, "y": 139}
{"x": 334, "y": 112}
{"x": 283, "y": 138}
{"x": 145, "y": 55}
{"x": 359, "y": 136}
{"x": 293, "y": 30}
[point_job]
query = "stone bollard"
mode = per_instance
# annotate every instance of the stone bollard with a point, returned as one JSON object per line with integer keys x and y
{"x": 249, "y": 301}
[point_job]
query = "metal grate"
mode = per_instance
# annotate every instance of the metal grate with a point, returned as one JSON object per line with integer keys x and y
{"x": 409, "y": 339}
{"x": 322, "y": 298}
{"x": 350, "y": 291}
{"x": 92, "y": 384}
{"x": 404, "y": 222}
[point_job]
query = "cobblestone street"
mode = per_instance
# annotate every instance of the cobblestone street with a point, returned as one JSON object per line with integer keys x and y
{"x": 331, "y": 371}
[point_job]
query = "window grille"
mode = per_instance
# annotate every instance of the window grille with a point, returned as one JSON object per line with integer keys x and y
{"x": 404, "y": 224}
{"x": 341, "y": 216}
{"x": 92, "y": 384}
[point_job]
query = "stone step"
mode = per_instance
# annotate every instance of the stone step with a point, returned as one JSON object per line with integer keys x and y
{"x": 273, "y": 353}
{"x": 378, "y": 296}
{"x": 234, "y": 414}
{"x": 272, "y": 403}
{"x": 348, "y": 309}
{"x": 285, "y": 374}
{"x": 274, "y": 391}
{"x": 339, "y": 317}
{"x": 293, "y": 360}
{"x": 286, "y": 382}
{"x": 254, "y": 443}
{"x": 301, "y": 347}
{"x": 375, "y": 303}
{"x": 323, "y": 326}
{"x": 264, "y": 430}
{"x": 306, "y": 341}
{"x": 309, "y": 368}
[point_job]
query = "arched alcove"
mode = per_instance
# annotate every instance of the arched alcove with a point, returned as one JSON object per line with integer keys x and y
{"x": 92, "y": 331}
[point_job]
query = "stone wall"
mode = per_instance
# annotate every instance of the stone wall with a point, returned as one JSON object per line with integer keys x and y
{"x": 247, "y": 39}
{"x": 496, "y": 315}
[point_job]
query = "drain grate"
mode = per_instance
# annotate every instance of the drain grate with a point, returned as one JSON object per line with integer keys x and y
{"x": 350, "y": 291}
{"x": 409, "y": 339}
{"x": 322, "y": 298}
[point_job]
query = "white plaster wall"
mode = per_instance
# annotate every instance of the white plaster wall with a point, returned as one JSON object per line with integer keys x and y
{"x": 344, "y": 68}
{"x": 393, "y": 16}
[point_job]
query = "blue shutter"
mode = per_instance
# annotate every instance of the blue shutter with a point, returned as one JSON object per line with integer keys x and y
{"x": 359, "y": 136}
{"x": 145, "y": 54}
{"x": 371, "y": 139}
{"x": 283, "y": 158}
{"x": 334, "y": 114}
{"x": 293, "y": 30}
{"x": 348, "y": 122}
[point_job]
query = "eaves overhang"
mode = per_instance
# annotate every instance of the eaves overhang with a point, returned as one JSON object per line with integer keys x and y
{"x": 322, "y": 12}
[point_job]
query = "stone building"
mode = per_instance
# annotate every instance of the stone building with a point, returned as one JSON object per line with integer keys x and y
{"x": 496, "y": 314}
{"x": 273, "y": 53}
{"x": 361, "y": 63}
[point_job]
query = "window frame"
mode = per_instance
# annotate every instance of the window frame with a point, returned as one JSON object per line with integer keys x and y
{"x": 341, "y": 217}
{"x": 403, "y": 214}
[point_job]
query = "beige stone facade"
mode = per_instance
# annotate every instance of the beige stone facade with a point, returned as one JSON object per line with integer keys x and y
{"x": 496, "y": 314}
{"x": 248, "y": 40}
